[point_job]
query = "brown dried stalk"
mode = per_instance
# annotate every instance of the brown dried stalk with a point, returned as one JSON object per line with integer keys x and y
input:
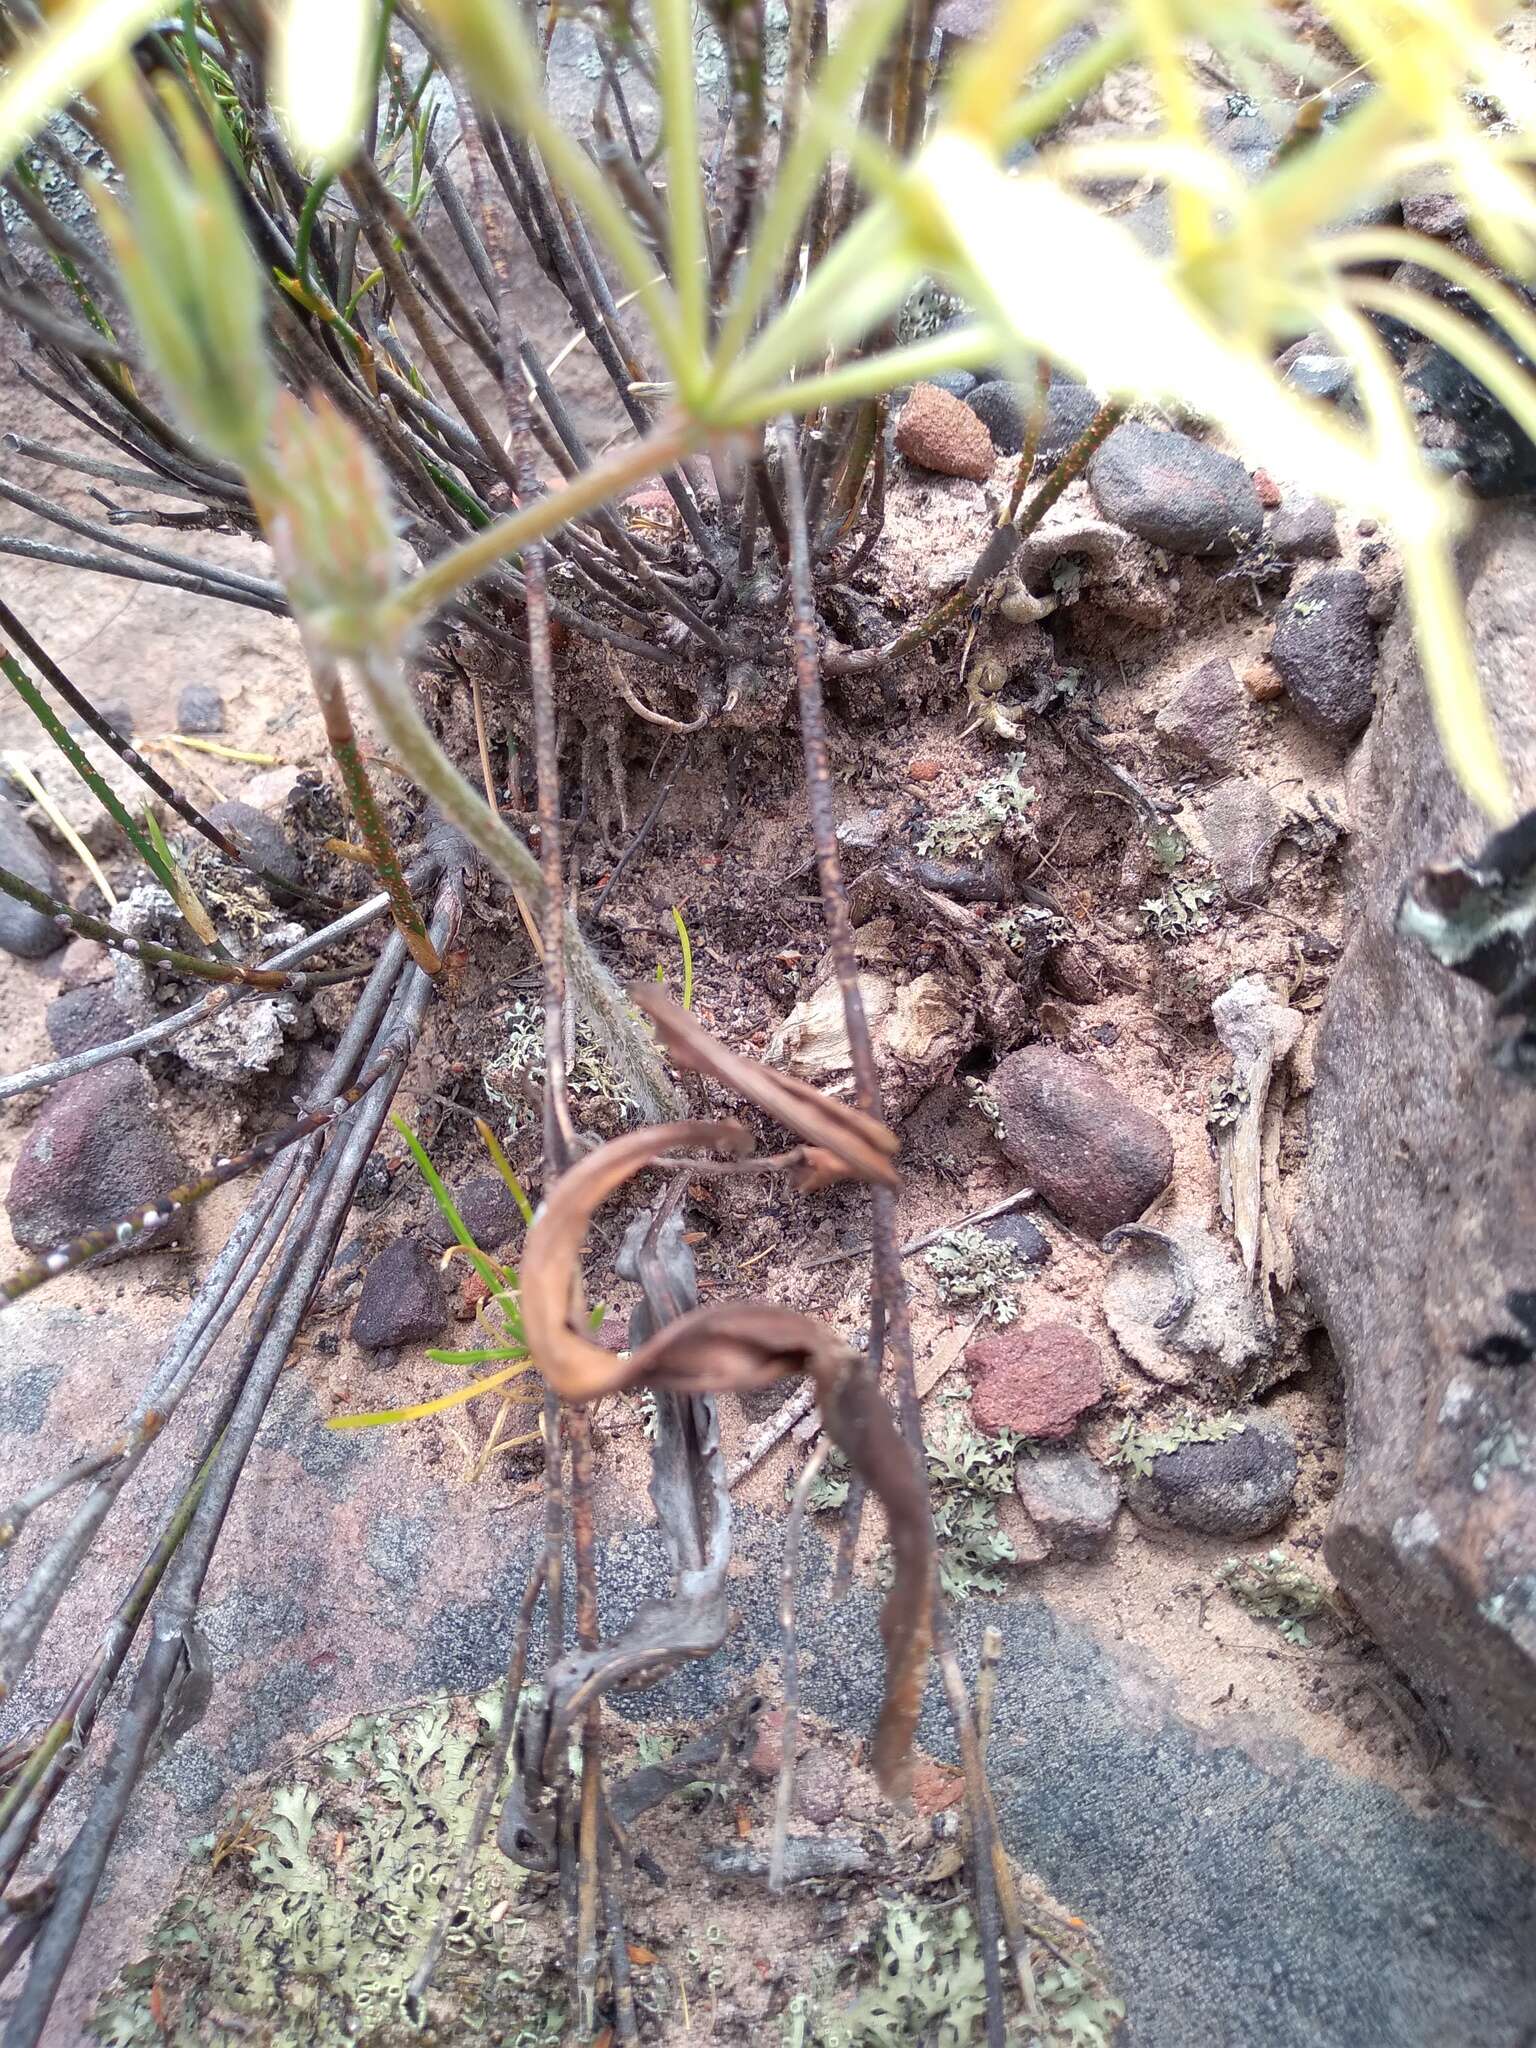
{"x": 740, "y": 1345}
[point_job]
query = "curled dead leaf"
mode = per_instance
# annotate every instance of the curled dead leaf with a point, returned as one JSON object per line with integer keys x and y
{"x": 741, "y": 1345}
{"x": 863, "y": 1147}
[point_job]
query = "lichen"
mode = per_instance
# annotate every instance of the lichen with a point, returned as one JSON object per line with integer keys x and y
{"x": 1179, "y": 911}
{"x": 1275, "y": 1588}
{"x": 974, "y": 1269}
{"x": 997, "y": 809}
{"x": 1137, "y": 1447}
{"x": 306, "y": 1912}
{"x": 919, "y": 1983}
{"x": 515, "y": 1077}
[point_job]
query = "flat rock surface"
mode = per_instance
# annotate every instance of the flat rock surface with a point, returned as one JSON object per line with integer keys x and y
{"x": 1417, "y": 1230}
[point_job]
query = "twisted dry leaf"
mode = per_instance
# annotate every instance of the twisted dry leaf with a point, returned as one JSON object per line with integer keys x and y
{"x": 742, "y": 1345}
{"x": 842, "y": 1143}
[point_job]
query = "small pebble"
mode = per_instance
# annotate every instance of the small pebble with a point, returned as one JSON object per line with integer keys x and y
{"x": 924, "y": 771}
{"x": 937, "y": 431}
{"x": 1261, "y": 682}
{"x": 199, "y": 709}
{"x": 403, "y": 1300}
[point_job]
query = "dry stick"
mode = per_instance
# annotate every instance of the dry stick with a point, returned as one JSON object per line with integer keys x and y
{"x": 559, "y": 1135}
{"x": 789, "y": 1593}
{"x": 778, "y": 1425}
{"x": 365, "y": 809}
{"x": 511, "y": 1693}
{"x": 134, "y": 572}
{"x": 153, "y": 780}
{"x": 1017, "y": 1928}
{"x": 316, "y": 1228}
{"x": 109, "y": 472}
{"x": 217, "y": 1298}
{"x": 1032, "y": 432}
{"x": 994, "y": 557}
{"x": 90, "y": 529}
{"x": 889, "y": 1281}
{"x": 195, "y": 1013}
{"x": 920, "y": 1244}
{"x": 152, "y": 1215}
{"x": 583, "y": 1544}
{"x": 79, "y": 925}
{"x": 612, "y": 1893}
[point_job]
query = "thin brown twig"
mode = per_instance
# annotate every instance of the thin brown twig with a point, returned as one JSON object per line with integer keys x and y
{"x": 364, "y": 806}
{"x": 889, "y": 1282}
{"x": 928, "y": 1237}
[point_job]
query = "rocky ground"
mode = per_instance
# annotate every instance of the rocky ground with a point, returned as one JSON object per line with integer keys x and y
{"x": 1105, "y": 862}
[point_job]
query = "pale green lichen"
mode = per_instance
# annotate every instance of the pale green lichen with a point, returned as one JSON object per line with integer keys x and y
{"x": 920, "y": 1984}
{"x": 975, "y": 1270}
{"x": 307, "y": 1912}
{"x": 1137, "y": 1447}
{"x": 1032, "y": 930}
{"x": 515, "y": 1077}
{"x": 1275, "y": 1588}
{"x": 1179, "y": 911}
{"x": 996, "y": 810}
{"x": 967, "y": 1474}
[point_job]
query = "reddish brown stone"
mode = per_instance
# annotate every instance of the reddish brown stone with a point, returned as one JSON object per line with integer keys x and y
{"x": 1267, "y": 488}
{"x": 937, "y": 431}
{"x": 1036, "y": 1382}
{"x": 1094, "y": 1155}
{"x": 923, "y": 771}
{"x": 767, "y": 1752}
{"x": 1261, "y": 682}
{"x": 936, "y": 1788}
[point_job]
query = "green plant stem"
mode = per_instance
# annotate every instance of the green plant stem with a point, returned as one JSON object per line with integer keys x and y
{"x": 70, "y": 748}
{"x": 364, "y": 807}
{"x": 306, "y": 228}
{"x": 625, "y": 467}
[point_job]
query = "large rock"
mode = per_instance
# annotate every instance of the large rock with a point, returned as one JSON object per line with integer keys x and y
{"x": 100, "y": 1147}
{"x": 938, "y": 431}
{"x": 27, "y": 933}
{"x": 1004, "y": 409}
{"x": 1238, "y": 1486}
{"x": 1417, "y": 1237}
{"x": 82, "y": 1018}
{"x": 1094, "y": 1155}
